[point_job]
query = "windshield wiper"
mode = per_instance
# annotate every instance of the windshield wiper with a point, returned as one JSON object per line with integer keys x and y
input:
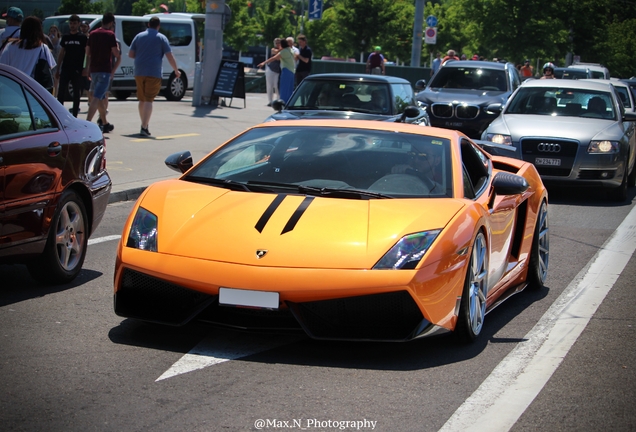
{"x": 225, "y": 183}
{"x": 320, "y": 191}
{"x": 341, "y": 193}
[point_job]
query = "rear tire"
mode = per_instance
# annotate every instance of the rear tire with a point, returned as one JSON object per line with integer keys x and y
{"x": 65, "y": 249}
{"x": 176, "y": 88}
{"x": 472, "y": 310}
{"x": 121, "y": 95}
{"x": 540, "y": 254}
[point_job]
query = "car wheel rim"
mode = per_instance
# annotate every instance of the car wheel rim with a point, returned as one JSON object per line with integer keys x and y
{"x": 176, "y": 87}
{"x": 544, "y": 243}
{"x": 477, "y": 290}
{"x": 69, "y": 238}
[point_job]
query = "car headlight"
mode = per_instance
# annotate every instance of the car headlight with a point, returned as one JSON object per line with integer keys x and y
{"x": 603, "y": 147}
{"x": 408, "y": 252}
{"x": 143, "y": 232}
{"x": 499, "y": 138}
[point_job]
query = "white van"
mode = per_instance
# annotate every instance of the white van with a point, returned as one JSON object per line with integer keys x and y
{"x": 182, "y": 32}
{"x": 61, "y": 21}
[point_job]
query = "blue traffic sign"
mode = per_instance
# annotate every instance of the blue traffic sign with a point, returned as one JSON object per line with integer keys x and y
{"x": 431, "y": 21}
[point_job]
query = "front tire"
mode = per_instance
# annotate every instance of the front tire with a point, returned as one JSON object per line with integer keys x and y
{"x": 176, "y": 89}
{"x": 121, "y": 95}
{"x": 619, "y": 194}
{"x": 472, "y": 310}
{"x": 540, "y": 254}
{"x": 65, "y": 250}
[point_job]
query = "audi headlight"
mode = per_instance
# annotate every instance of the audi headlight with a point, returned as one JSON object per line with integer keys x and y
{"x": 143, "y": 232}
{"x": 603, "y": 147}
{"x": 499, "y": 139}
{"x": 408, "y": 252}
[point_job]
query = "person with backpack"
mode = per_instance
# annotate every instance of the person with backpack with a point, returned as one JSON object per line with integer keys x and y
{"x": 375, "y": 62}
{"x": 24, "y": 53}
{"x": 13, "y": 17}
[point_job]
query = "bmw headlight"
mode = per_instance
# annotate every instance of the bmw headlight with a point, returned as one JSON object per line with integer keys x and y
{"x": 143, "y": 232}
{"x": 499, "y": 138}
{"x": 603, "y": 147}
{"x": 408, "y": 252}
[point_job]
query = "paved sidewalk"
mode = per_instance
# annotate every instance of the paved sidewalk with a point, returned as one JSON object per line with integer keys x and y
{"x": 135, "y": 162}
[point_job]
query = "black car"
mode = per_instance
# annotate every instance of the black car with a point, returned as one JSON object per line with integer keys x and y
{"x": 54, "y": 187}
{"x": 352, "y": 96}
{"x": 458, "y": 95}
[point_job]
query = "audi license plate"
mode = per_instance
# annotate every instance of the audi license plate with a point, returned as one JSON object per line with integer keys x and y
{"x": 547, "y": 161}
{"x": 248, "y": 298}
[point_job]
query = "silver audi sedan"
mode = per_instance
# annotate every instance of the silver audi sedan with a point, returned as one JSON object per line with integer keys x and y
{"x": 575, "y": 132}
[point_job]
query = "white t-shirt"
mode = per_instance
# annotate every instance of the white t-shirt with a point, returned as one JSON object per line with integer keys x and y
{"x": 25, "y": 59}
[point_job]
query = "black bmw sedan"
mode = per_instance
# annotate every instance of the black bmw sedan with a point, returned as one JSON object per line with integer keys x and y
{"x": 458, "y": 95}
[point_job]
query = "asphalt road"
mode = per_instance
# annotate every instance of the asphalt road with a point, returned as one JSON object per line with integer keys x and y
{"x": 68, "y": 363}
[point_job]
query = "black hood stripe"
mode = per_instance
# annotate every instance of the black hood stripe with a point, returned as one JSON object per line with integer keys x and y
{"x": 293, "y": 220}
{"x": 260, "y": 225}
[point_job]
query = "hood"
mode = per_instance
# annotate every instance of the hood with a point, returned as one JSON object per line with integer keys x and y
{"x": 325, "y": 114}
{"x": 210, "y": 223}
{"x": 474, "y": 97}
{"x": 580, "y": 129}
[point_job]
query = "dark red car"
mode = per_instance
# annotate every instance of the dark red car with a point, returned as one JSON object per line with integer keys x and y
{"x": 54, "y": 187}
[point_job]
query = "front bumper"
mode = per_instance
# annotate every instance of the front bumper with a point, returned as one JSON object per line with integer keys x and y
{"x": 387, "y": 316}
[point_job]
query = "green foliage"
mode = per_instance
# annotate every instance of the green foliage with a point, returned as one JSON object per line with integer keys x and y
{"x": 595, "y": 30}
{"x": 69, "y": 7}
{"x": 142, "y": 7}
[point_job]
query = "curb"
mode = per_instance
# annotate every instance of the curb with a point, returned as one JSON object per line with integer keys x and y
{"x": 126, "y": 195}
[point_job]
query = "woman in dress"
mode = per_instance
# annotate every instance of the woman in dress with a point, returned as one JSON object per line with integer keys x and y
{"x": 287, "y": 69}
{"x": 25, "y": 52}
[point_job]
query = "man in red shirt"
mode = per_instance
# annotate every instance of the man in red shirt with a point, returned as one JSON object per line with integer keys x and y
{"x": 100, "y": 51}
{"x": 375, "y": 62}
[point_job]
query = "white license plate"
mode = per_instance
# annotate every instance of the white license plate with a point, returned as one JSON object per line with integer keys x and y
{"x": 547, "y": 161}
{"x": 248, "y": 298}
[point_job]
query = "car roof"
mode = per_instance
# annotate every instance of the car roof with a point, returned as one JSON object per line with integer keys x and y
{"x": 591, "y": 84}
{"x": 358, "y": 77}
{"x": 608, "y": 81}
{"x": 475, "y": 64}
{"x": 370, "y": 125}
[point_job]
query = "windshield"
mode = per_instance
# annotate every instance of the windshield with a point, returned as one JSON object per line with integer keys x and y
{"x": 470, "y": 78}
{"x": 359, "y": 96}
{"x": 339, "y": 162}
{"x": 555, "y": 101}
{"x": 575, "y": 74}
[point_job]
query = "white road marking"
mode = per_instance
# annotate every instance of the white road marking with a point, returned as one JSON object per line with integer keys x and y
{"x": 512, "y": 386}
{"x": 103, "y": 239}
{"x": 223, "y": 346}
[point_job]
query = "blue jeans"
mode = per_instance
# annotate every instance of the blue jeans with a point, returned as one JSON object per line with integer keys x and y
{"x": 101, "y": 81}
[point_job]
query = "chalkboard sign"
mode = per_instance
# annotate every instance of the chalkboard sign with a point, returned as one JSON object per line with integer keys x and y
{"x": 230, "y": 80}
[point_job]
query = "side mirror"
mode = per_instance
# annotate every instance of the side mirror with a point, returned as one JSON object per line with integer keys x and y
{"x": 278, "y": 105}
{"x": 494, "y": 108}
{"x": 420, "y": 84}
{"x": 180, "y": 162}
{"x": 509, "y": 184}
{"x": 409, "y": 112}
{"x": 629, "y": 116}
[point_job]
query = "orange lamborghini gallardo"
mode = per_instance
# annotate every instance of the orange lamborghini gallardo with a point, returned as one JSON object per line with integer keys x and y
{"x": 342, "y": 229}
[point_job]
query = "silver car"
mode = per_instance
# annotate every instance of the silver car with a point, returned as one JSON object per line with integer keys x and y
{"x": 575, "y": 132}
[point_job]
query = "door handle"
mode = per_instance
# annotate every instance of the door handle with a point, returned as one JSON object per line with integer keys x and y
{"x": 54, "y": 149}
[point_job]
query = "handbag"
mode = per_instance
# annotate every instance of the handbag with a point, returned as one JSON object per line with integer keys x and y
{"x": 42, "y": 73}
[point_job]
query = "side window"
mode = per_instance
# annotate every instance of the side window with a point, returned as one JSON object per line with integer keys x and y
{"x": 130, "y": 29}
{"x": 516, "y": 82}
{"x": 476, "y": 169}
{"x": 40, "y": 116}
{"x": 403, "y": 96}
{"x": 178, "y": 34}
{"x": 15, "y": 116}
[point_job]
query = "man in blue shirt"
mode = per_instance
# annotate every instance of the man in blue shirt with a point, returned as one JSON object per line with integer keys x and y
{"x": 148, "y": 49}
